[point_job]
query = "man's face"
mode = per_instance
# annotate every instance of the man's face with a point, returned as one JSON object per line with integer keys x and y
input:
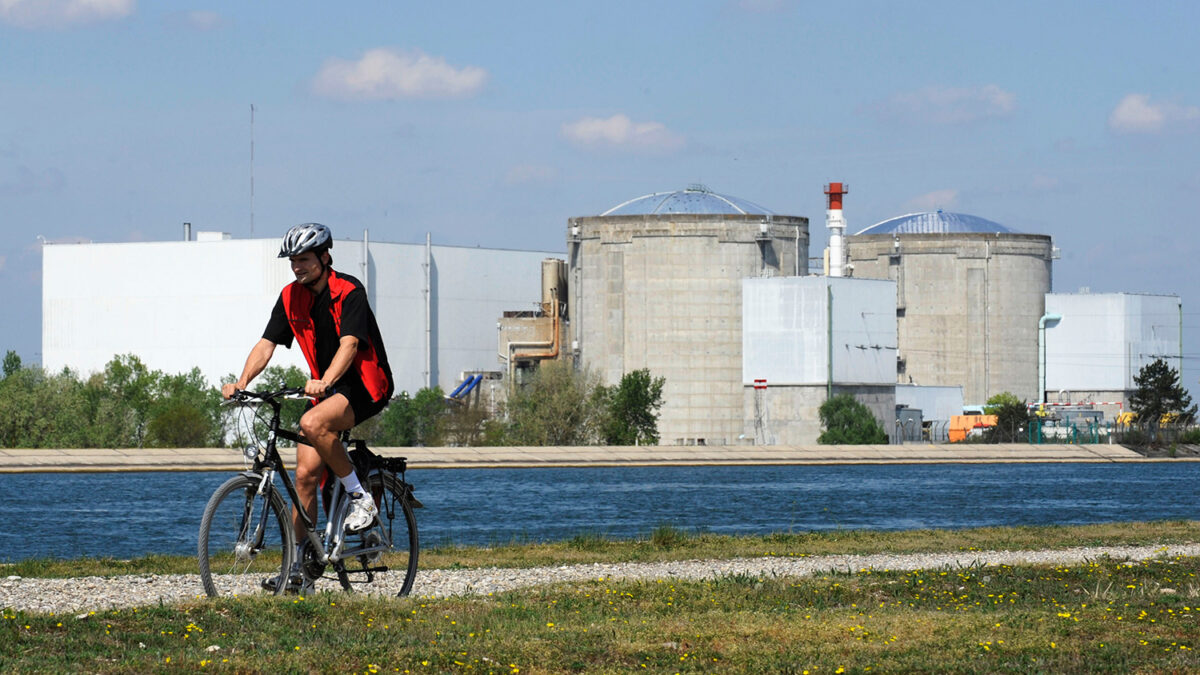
{"x": 307, "y": 267}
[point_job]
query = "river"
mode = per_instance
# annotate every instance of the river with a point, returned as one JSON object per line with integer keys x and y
{"x": 124, "y": 515}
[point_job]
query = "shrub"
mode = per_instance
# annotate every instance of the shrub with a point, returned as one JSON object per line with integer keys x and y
{"x": 848, "y": 422}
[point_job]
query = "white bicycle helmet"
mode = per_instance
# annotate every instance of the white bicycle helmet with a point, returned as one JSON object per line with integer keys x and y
{"x": 305, "y": 237}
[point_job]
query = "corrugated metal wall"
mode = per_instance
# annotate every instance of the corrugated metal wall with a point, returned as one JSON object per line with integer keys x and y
{"x": 179, "y": 305}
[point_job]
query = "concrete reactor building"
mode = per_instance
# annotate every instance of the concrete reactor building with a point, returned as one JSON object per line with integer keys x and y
{"x": 656, "y": 283}
{"x": 969, "y": 297}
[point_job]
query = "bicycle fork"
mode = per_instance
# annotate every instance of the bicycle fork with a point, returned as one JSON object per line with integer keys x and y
{"x": 335, "y": 532}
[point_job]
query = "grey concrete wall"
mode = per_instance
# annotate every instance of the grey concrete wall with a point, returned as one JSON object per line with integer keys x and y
{"x": 790, "y": 415}
{"x": 664, "y": 293}
{"x": 968, "y": 306}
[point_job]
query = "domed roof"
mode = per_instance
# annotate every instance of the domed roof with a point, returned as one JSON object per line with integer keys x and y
{"x": 696, "y": 199}
{"x": 936, "y": 222}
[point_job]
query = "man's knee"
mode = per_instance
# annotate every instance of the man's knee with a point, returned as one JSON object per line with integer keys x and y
{"x": 312, "y": 425}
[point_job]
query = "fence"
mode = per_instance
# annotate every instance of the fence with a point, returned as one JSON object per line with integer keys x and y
{"x": 1036, "y": 431}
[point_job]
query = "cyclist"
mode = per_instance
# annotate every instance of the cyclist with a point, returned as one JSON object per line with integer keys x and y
{"x": 328, "y": 315}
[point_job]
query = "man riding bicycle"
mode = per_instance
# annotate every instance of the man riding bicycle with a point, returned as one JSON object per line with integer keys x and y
{"x": 328, "y": 315}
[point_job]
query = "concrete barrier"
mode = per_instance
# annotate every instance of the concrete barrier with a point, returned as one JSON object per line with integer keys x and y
{"x": 19, "y": 460}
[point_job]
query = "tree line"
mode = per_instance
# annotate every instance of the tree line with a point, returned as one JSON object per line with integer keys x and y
{"x": 128, "y": 405}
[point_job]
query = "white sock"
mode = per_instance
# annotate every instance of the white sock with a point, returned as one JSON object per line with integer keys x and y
{"x": 351, "y": 484}
{"x": 299, "y": 547}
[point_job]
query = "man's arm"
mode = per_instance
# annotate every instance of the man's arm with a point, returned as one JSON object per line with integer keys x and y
{"x": 342, "y": 360}
{"x": 258, "y": 359}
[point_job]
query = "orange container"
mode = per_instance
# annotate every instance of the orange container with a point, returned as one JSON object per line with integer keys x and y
{"x": 961, "y": 425}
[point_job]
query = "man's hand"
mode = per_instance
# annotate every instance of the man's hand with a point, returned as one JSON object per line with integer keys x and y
{"x": 228, "y": 390}
{"x": 317, "y": 388}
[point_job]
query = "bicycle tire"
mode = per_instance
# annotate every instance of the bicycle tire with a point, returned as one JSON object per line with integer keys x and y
{"x": 397, "y": 518}
{"x": 238, "y": 547}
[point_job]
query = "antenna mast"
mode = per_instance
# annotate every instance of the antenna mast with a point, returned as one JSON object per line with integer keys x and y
{"x": 251, "y": 169}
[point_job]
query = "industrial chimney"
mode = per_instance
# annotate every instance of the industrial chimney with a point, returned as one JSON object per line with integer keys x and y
{"x": 837, "y": 228}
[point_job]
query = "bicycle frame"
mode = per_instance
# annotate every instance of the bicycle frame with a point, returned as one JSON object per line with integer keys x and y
{"x": 329, "y": 550}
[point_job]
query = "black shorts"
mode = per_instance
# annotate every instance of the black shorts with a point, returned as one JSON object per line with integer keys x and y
{"x": 360, "y": 401}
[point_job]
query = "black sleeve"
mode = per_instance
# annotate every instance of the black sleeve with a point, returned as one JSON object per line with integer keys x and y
{"x": 356, "y": 317}
{"x": 278, "y": 329}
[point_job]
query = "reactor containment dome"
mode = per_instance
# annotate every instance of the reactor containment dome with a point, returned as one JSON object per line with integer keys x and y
{"x": 696, "y": 199}
{"x": 937, "y": 222}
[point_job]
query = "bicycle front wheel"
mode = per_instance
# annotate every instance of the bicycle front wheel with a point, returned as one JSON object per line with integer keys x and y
{"x": 245, "y": 539}
{"x": 393, "y": 569}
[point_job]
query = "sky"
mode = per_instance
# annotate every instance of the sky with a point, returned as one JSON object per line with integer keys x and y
{"x": 490, "y": 124}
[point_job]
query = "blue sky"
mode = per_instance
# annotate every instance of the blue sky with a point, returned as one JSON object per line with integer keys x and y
{"x": 492, "y": 123}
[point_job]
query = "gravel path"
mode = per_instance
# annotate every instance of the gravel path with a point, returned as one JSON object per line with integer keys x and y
{"x": 102, "y": 593}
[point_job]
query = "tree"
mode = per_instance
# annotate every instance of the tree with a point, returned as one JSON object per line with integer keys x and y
{"x": 41, "y": 411}
{"x": 122, "y": 396}
{"x": 558, "y": 406}
{"x": 632, "y": 409}
{"x": 184, "y": 412}
{"x": 12, "y": 363}
{"x": 1012, "y": 418}
{"x": 1158, "y": 393}
{"x": 273, "y": 378}
{"x": 411, "y": 420}
{"x": 848, "y": 422}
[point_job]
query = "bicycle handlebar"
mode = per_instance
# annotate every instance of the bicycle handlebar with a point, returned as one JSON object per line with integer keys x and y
{"x": 245, "y": 395}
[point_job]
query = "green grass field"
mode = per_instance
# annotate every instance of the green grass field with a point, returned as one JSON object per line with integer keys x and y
{"x": 1100, "y": 616}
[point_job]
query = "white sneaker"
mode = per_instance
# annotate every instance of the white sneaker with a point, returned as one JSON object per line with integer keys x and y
{"x": 362, "y": 512}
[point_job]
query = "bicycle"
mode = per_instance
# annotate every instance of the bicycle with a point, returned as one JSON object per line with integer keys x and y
{"x": 246, "y": 534}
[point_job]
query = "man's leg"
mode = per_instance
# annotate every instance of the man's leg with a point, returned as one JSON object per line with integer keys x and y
{"x": 321, "y": 426}
{"x": 309, "y": 468}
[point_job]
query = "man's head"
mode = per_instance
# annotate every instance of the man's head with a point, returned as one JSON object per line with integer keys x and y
{"x": 307, "y": 246}
{"x": 310, "y": 266}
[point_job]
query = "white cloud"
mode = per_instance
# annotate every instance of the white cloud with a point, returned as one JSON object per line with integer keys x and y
{"x": 204, "y": 21}
{"x": 197, "y": 20}
{"x": 1044, "y": 183}
{"x": 619, "y": 131}
{"x": 523, "y": 174}
{"x": 949, "y": 105}
{"x": 1135, "y": 114}
{"x": 932, "y": 201}
{"x": 28, "y": 181}
{"x": 385, "y": 74}
{"x": 762, "y": 6}
{"x": 62, "y": 13}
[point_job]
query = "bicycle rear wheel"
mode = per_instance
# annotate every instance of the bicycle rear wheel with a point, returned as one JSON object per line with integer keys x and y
{"x": 396, "y": 523}
{"x": 245, "y": 538}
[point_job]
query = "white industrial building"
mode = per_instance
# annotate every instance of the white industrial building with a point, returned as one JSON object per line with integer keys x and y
{"x": 204, "y": 303}
{"x": 1095, "y": 343}
{"x": 804, "y": 338}
{"x": 931, "y": 407}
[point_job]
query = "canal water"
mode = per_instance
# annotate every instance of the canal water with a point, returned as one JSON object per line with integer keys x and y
{"x": 125, "y": 515}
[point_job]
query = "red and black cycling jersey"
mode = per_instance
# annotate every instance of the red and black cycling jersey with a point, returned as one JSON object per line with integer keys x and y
{"x": 319, "y": 321}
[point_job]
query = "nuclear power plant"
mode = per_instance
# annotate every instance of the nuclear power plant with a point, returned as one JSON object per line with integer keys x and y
{"x": 917, "y": 317}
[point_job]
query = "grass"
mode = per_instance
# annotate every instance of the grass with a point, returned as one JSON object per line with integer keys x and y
{"x": 666, "y": 543}
{"x": 1100, "y": 616}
